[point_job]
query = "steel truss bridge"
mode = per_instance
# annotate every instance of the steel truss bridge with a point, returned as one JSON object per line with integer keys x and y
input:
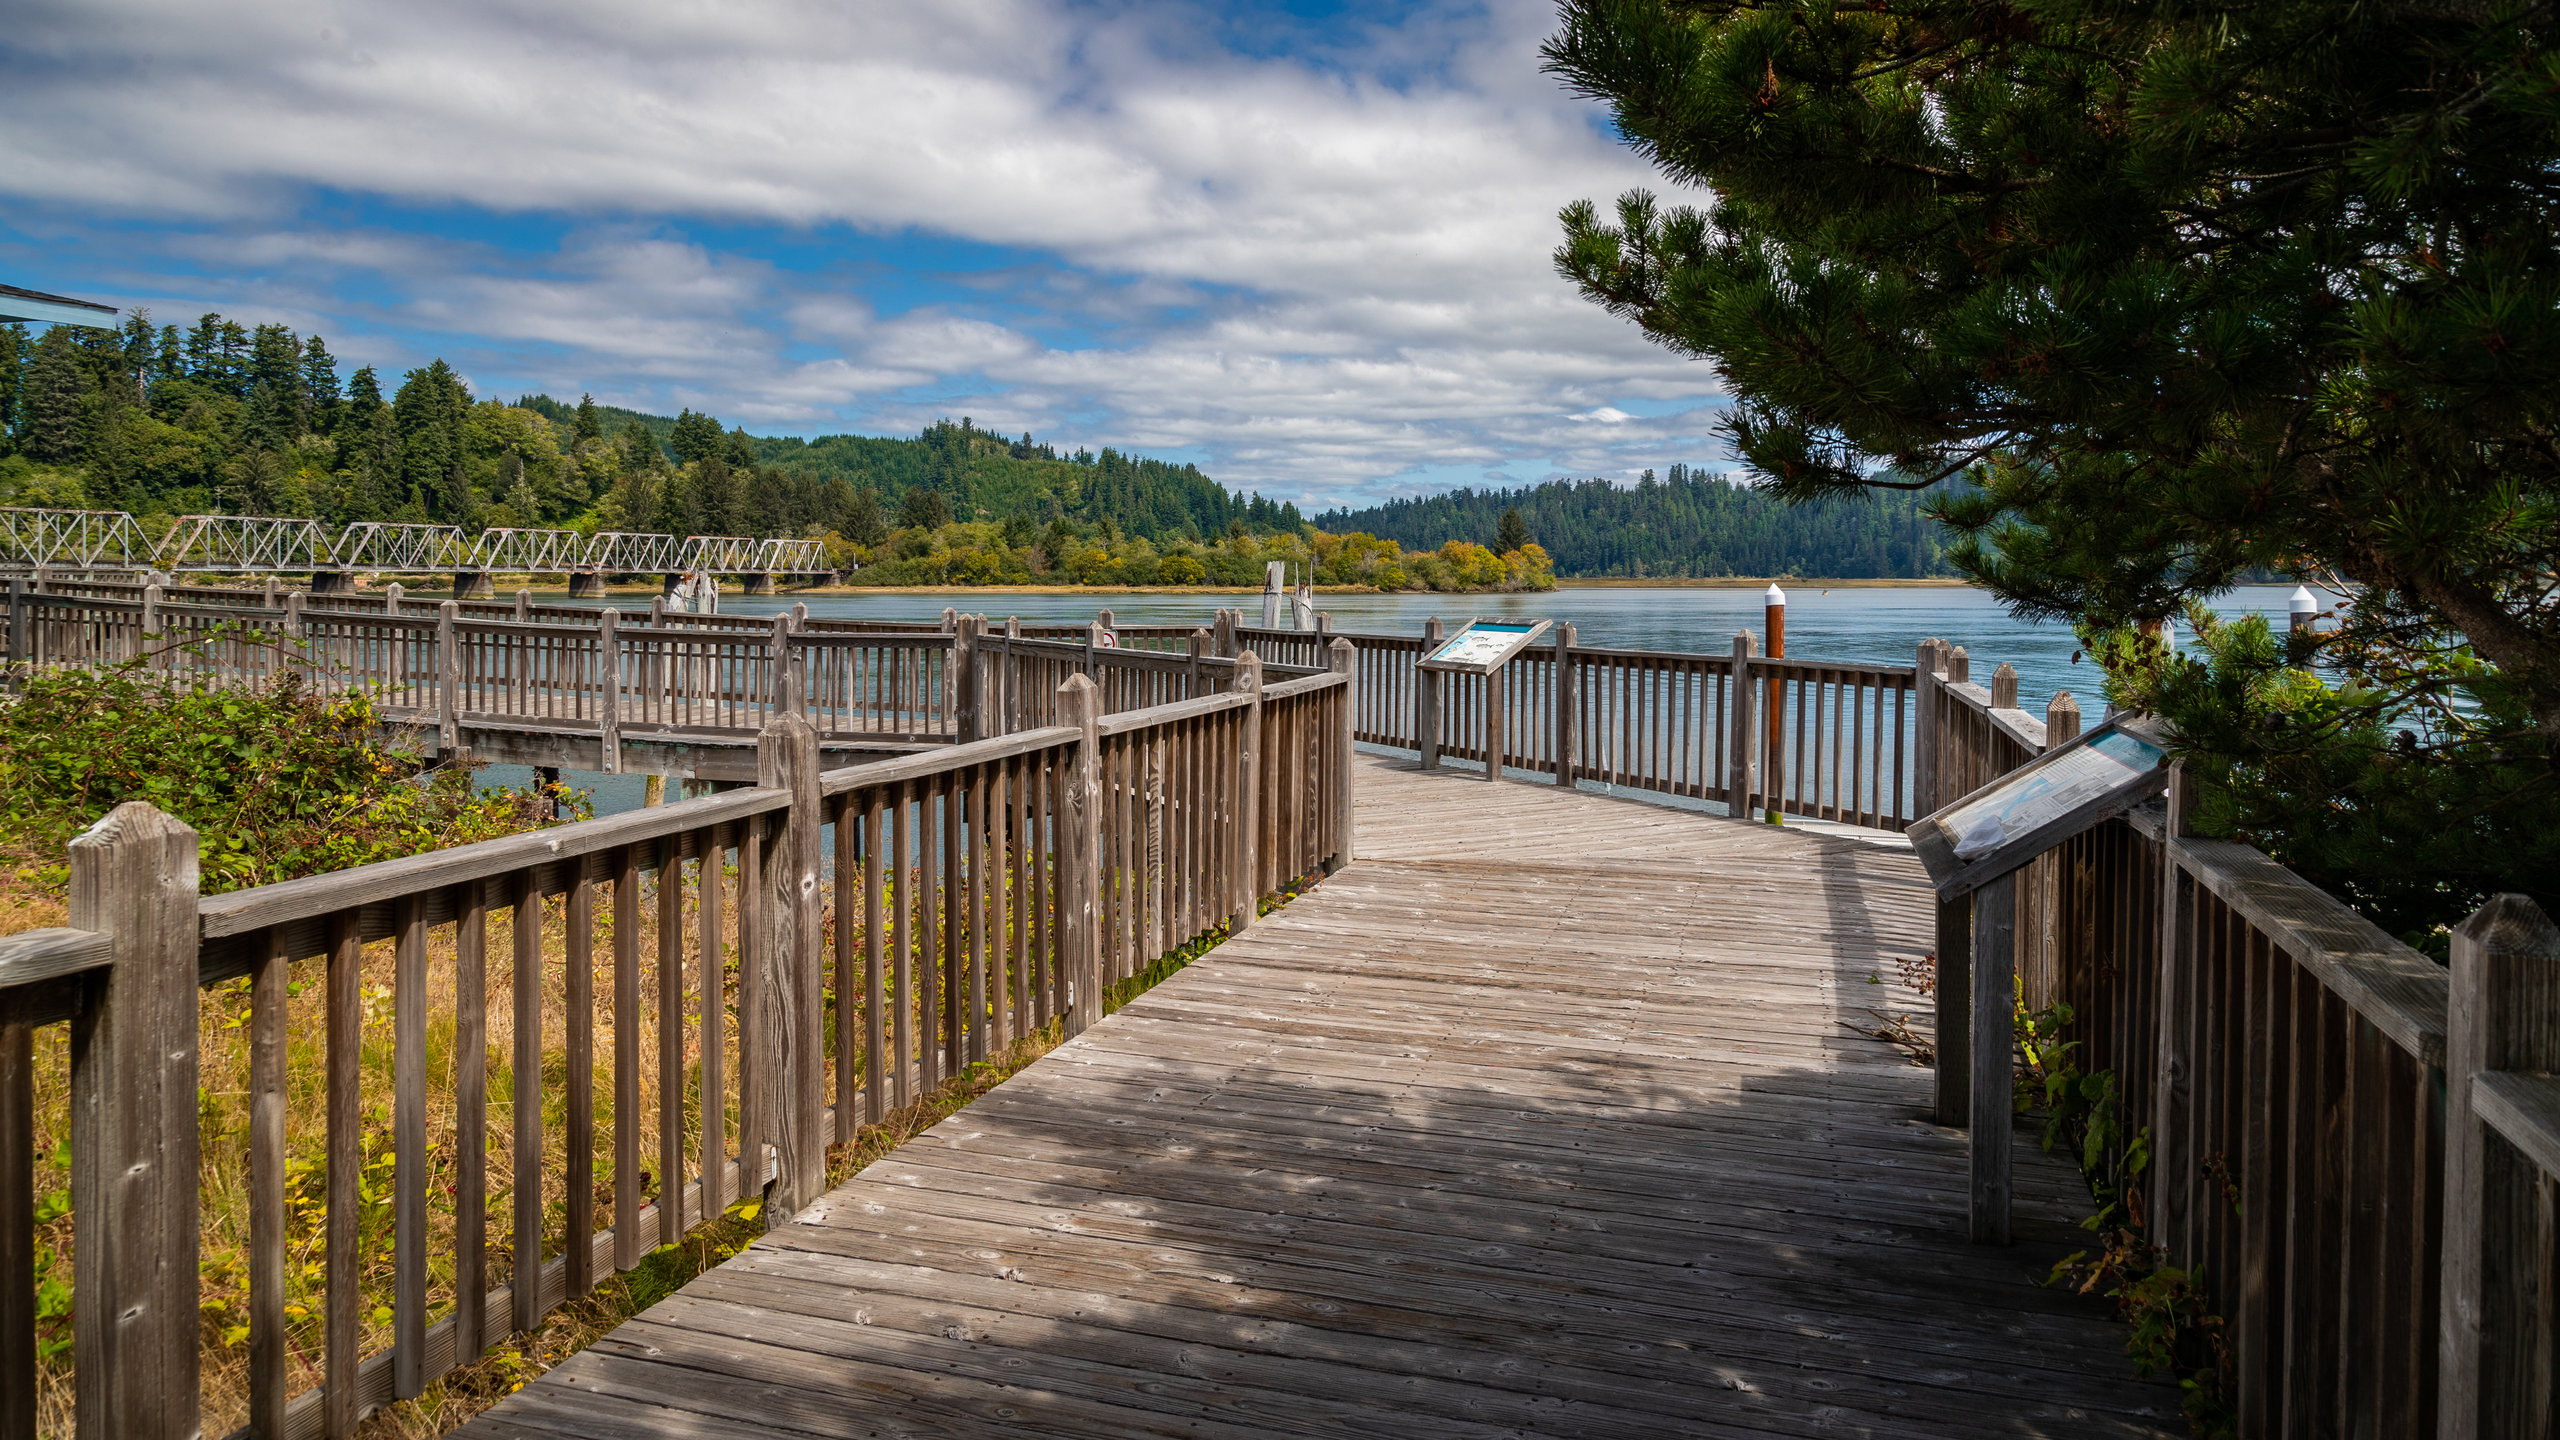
{"x": 269, "y": 545}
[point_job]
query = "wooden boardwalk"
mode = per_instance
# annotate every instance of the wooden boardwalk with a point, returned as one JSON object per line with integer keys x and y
{"x": 1544, "y": 1118}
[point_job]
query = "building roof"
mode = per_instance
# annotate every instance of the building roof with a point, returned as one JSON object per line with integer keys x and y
{"x": 44, "y": 309}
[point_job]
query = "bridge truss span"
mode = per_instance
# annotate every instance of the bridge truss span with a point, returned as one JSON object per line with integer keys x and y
{"x": 243, "y": 544}
{"x": 71, "y": 539}
{"x": 802, "y": 557}
{"x": 629, "y": 552}
{"x": 374, "y": 545}
{"x": 532, "y": 551}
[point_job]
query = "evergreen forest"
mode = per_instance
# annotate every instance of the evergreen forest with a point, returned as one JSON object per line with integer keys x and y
{"x": 1692, "y": 524}
{"x": 226, "y": 418}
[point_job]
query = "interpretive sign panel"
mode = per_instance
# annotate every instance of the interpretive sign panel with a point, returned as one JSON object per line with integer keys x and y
{"x": 2028, "y": 811}
{"x": 1483, "y": 646}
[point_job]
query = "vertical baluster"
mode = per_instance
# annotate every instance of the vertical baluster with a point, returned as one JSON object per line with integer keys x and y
{"x": 875, "y": 852}
{"x": 1026, "y": 778}
{"x": 269, "y": 1343}
{"x": 409, "y": 1149}
{"x": 755, "y": 1114}
{"x": 345, "y": 1299}
{"x": 845, "y": 812}
{"x": 713, "y": 970}
{"x": 902, "y": 844}
{"x": 671, "y": 1079}
{"x": 579, "y": 1001}
{"x": 974, "y": 896}
{"x": 931, "y": 830}
{"x": 525, "y": 1107}
{"x": 627, "y": 1245}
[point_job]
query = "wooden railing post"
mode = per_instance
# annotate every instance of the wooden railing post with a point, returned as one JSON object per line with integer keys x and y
{"x": 1952, "y": 1095}
{"x": 17, "y": 630}
{"x": 133, "y": 1131}
{"x": 1245, "y": 886}
{"x": 1344, "y": 656}
{"x": 609, "y": 689}
{"x": 391, "y": 598}
{"x": 146, "y": 642}
{"x": 1493, "y": 737}
{"x": 2171, "y": 1161}
{"x": 792, "y": 1062}
{"x": 1924, "y": 750}
{"x": 965, "y": 717}
{"x": 2502, "y": 1013}
{"x": 1426, "y": 725}
{"x": 449, "y": 678}
{"x": 1080, "y": 864}
{"x": 1225, "y": 635}
{"x": 778, "y": 655}
{"x": 2061, "y": 720}
{"x": 2004, "y": 687}
{"x": 297, "y": 657}
{"x": 524, "y": 606}
{"x": 1568, "y": 693}
{"x": 1994, "y": 985}
{"x": 1742, "y": 778}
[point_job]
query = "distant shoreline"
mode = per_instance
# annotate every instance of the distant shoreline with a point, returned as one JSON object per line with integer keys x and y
{"x": 507, "y": 584}
{"x": 1752, "y": 582}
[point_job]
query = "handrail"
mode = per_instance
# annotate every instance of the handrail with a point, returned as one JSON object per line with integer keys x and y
{"x": 30, "y": 956}
{"x": 1051, "y": 864}
{"x": 2298, "y": 1081}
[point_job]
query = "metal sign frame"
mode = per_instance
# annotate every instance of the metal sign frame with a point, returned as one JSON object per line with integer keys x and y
{"x": 1997, "y": 829}
{"x": 1458, "y": 655}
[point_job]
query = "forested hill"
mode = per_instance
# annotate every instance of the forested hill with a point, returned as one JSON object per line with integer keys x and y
{"x": 258, "y": 420}
{"x": 1692, "y": 524}
{"x": 979, "y": 474}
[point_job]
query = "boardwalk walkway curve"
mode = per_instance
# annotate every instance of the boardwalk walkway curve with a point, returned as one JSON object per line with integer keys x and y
{"x": 1552, "y": 1097}
{"x": 1541, "y": 1118}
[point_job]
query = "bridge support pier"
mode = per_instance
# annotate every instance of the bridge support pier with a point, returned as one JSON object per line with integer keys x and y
{"x": 332, "y": 582}
{"x": 759, "y": 582}
{"x": 585, "y": 584}
{"x": 473, "y": 585}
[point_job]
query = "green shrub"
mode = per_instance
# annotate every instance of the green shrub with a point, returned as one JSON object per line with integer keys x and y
{"x": 278, "y": 780}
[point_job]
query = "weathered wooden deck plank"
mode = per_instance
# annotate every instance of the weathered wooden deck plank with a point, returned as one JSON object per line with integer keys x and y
{"x": 1547, "y": 1117}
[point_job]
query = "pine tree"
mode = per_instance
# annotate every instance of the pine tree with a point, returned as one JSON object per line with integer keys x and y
{"x": 589, "y": 425}
{"x": 276, "y": 410}
{"x": 2190, "y": 290}
{"x": 639, "y": 448}
{"x": 923, "y": 508}
{"x": 364, "y": 396}
{"x": 204, "y": 351}
{"x": 13, "y": 360}
{"x": 695, "y": 438}
{"x": 1515, "y": 531}
{"x": 55, "y": 404}
{"x": 319, "y": 386}
{"x": 429, "y": 409}
{"x": 863, "y": 522}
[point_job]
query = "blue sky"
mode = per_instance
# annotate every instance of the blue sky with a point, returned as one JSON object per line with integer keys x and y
{"x": 1306, "y": 246}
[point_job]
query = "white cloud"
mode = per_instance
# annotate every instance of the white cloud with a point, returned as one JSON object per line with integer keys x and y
{"x": 1323, "y": 271}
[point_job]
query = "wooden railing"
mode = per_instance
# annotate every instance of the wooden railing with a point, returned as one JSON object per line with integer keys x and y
{"x": 2351, "y": 1152}
{"x": 890, "y": 924}
{"x": 1803, "y": 737}
{"x": 606, "y": 676}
